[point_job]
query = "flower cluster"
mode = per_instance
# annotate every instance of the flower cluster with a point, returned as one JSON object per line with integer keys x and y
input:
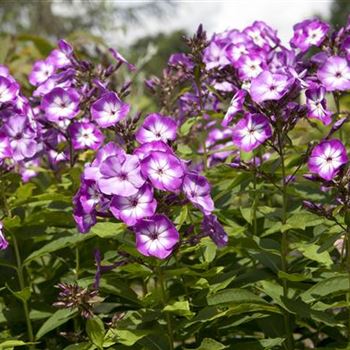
{"x": 19, "y": 131}
{"x": 136, "y": 187}
{"x": 74, "y": 103}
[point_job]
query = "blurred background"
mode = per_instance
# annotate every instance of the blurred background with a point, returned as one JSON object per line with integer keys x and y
{"x": 146, "y": 32}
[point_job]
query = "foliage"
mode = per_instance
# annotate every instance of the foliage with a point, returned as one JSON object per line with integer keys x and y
{"x": 280, "y": 280}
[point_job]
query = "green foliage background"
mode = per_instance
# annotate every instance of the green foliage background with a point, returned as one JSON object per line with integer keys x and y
{"x": 229, "y": 298}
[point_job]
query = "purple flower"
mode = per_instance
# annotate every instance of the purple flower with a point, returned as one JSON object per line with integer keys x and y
{"x": 65, "y": 47}
{"x": 249, "y": 66}
{"x": 326, "y": 159}
{"x": 8, "y": 90}
{"x": 83, "y": 220}
{"x": 197, "y": 191}
{"x": 58, "y": 59}
{"x": 85, "y": 136}
{"x": 269, "y": 86}
{"x": 3, "y": 242}
{"x": 133, "y": 208}
{"x": 92, "y": 171}
{"x": 28, "y": 169}
{"x": 156, "y": 236}
{"x": 88, "y": 195}
{"x": 309, "y": 33}
{"x": 164, "y": 170}
{"x": 251, "y": 131}
{"x": 147, "y": 148}
{"x": 236, "y": 105}
{"x": 214, "y": 230}
{"x": 119, "y": 58}
{"x": 5, "y": 147}
{"x": 335, "y": 74}
{"x": 41, "y": 71}
{"x": 21, "y": 137}
{"x": 109, "y": 109}
{"x": 60, "y": 104}
{"x": 317, "y": 105}
{"x": 215, "y": 55}
{"x": 156, "y": 128}
{"x": 121, "y": 175}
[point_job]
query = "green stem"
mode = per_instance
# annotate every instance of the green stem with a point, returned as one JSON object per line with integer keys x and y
{"x": 347, "y": 237}
{"x": 77, "y": 262}
{"x": 22, "y": 286}
{"x": 19, "y": 269}
{"x": 255, "y": 203}
{"x": 284, "y": 244}
{"x": 167, "y": 316}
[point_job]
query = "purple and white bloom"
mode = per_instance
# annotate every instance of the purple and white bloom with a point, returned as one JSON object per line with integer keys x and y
{"x": 269, "y": 86}
{"x": 85, "y": 135}
{"x": 156, "y": 236}
{"x": 58, "y": 59}
{"x": 83, "y": 220}
{"x": 28, "y": 169}
{"x": 164, "y": 170}
{"x": 236, "y": 51}
{"x": 5, "y": 147}
{"x": 121, "y": 175}
{"x": 309, "y": 33}
{"x": 197, "y": 191}
{"x": 317, "y": 105}
{"x": 215, "y": 55}
{"x": 60, "y": 104}
{"x": 88, "y": 195}
{"x": 335, "y": 74}
{"x": 236, "y": 105}
{"x": 21, "y": 137}
{"x": 214, "y": 230}
{"x": 147, "y": 148}
{"x": 41, "y": 71}
{"x": 108, "y": 110}
{"x": 133, "y": 208}
{"x": 8, "y": 90}
{"x": 327, "y": 158}
{"x": 92, "y": 171}
{"x": 156, "y": 127}
{"x": 249, "y": 66}
{"x": 251, "y": 131}
{"x": 3, "y": 242}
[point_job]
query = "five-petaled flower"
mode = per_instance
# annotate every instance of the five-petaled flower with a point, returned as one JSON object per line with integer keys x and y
{"x": 327, "y": 158}
{"x": 156, "y": 236}
{"x": 251, "y": 131}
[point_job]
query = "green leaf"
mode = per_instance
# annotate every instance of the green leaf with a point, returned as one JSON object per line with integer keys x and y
{"x": 210, "y": 344}
{"x": 108, "y": 229}
{"x": 302, "y": 220}
{"x": 95, "y": 330}
{"x": 23, "y": 294}
{"x": 10, "y": 344}
{"x": 311, "y": 251}
{"x": 184, "y": 150}
{"x": 234, "y": 295}
{"x": 187, "y": 125}
{"x": 332, "y": 285}
{"x": 24, "y": 192}
{"x": 80, "y": 346}
{"x": 58, "y": 244}
{"x": 43, "y": 45}
{"x": 129, "y": 337}
{"x": 181, "y": 308}
{"x": 58, "y": 318}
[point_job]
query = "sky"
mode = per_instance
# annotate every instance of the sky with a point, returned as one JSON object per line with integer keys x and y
{"x": 217, "y": 16}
